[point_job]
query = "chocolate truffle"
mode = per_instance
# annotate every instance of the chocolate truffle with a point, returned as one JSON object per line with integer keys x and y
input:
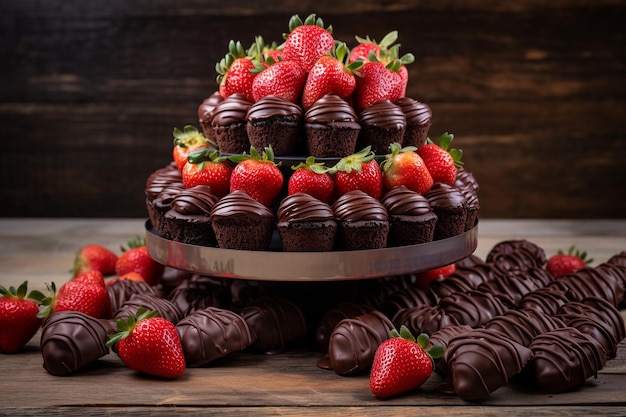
{"x": 306, "y": 224}
{"x": 354, "y": 341}
{"x": 71, "y": 340}
{"x": 276, "y": 122}
{"x": 363, "y": 221}
{"x": 411, "y": 219}
{"x": 212, "y": 333}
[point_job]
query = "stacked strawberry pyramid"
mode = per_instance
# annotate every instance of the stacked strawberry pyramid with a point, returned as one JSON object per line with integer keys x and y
{"x": 287, "y": 82}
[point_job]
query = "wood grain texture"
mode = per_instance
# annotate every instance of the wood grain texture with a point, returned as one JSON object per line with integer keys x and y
{"x": 533, "y": 90}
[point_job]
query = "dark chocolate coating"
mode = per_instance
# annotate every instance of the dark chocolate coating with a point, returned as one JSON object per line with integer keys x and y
{"x": 353, "y": 342}
{"x": 510, "y": 288}
{"x": 121, "y": 291}
{"x": 165, "y": 308}
{"x": 564, "y": 359}
{"x": 547, "y": 300}
{"x": 473, "y": 308}
{"x": 212, "y": 333}
{"x": 523, "y": 325}
{"x": 424, "y": 319}
{"x": 332, "y": 317}
{"x": 481, "y": 361}
{"x": 71, "y": 340}
{"x": 526, "y": 248}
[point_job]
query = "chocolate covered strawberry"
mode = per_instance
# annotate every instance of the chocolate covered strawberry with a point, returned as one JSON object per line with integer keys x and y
{"x": 136, "y": 258}
{"x": 94, "y": 257}
{"x": 186, "y": 141}
{"x": 307, "y": 41}
{"x": 312, "y": 178}
{"x": 149, "y": 344}
{"x": 207, "y": 167}
{"x": 402, "y": 363}
{"x": 441, "y": 161}
{"x": 330, "y": 75}
{"x": 18, "y": 317}
{"x": 403, "y": 166}
{"x": 566, "y": 262}
{"x": 257, "y": 175}
{"x": 359, "y": 171}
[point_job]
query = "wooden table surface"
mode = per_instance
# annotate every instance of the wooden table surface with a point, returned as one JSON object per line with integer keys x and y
{"x": 287, "y": 384}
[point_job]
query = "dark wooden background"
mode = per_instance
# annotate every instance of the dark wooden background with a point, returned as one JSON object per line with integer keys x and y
{"x": 534, "y": 91}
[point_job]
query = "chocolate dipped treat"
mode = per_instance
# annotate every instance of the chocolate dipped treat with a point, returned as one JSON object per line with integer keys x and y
{"x": 418, "y": 120}
{"x": 156, "y": 182}
{"x": 547, "y": 300}
{"x": 354, "y": 341}
{"x": 535, "y": 255}
{"x": 424, "y": 319}
{"x": 164, "y": 307}
{"x": 443, "y": 337}
{"x": 205, "y": 114}
{"x": 331, "y": 128}
{"x": 363, "y": 221}
{"x": 212, "y": 333}
{"x": 276, "y": 122}
{"x": 188, "y": 221}
{"x": 306, "y": 224}
{"x": 382, "y": 124}
{"x": 448, "y": 203}
{"x": 473, "y": 308}
{"x": 71, "y": 340}
{"x": 563, "y": 360}
{"x": 411, "y": 219}
{"x": 229, "y": 124}
{"x": 333, "y": 316}
{"x": 523, "y": 325}
{"x": 121, "y": 291}
{"x": 241, "y": 222}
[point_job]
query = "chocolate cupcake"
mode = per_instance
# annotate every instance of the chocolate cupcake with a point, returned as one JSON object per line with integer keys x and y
{"x": 162, "y": 204}
{"x": 363, "y": 221}
{"x": 205, "y": 114}
{"x": 305, "y": 224}
{"x": 411, "y": 219}
{"x": 276, "y": 122}
{"x": 331, "y": 128}
{"x": 156, "y": 182}
{"x": 229, "y": 124}
{"x": 382, "y": 124}
{"x": 418, "y": 121}
{"x": 241, "y": 222}
{"x": 448, "y": 203}
{"x": 188, "y": 221}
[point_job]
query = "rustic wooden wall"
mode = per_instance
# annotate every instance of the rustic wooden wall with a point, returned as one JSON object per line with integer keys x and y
{"x": 534, "y": 91}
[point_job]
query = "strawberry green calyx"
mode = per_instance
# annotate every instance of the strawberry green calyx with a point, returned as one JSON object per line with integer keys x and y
{"x": 21, "y": 293}
{"x": 125, "y": 326}
{"x": 311, "y": 19}
{"x": 309, "y": 163}
{"x": 47, "y": 303}
{"x": 395, "y": 149}
{"x": 342, "y": 52}
{"x": 386, "y": 42}
{"x": 355, "y": 161}
{"x": 444, "y": 142}
{"x": 188, "y": 137}
{"x": 435, "y": 351}
{"x": 572, "y": 251}
{"x": 235, "y": 50}
{"x": 202, "y": 155}
{"x": 136, "y": 242}
{"x": 266, "y": 156}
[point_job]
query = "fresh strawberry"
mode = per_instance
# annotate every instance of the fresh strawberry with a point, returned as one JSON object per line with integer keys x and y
{"x": 283, "y": 79}
{"x": 257, "y": 175}
{"x": 130, "y": 276}
{"x": 85, "y": 293}
{"x": 402, "y": 364}
{"x": 359, "y": 171}
{"x": 270, "y": 53}
{"x": 564, "y": 263}
{"x": 330, "y": 75}
{"x": 437, "y": 274}
{"x": 307, "y": 41}
{"x": 312, "y": 178}
{"x": 376, "y": 82}
{"x": 149, "y": 344}
{"x": 137, "y": 259}
{"x": 94, "y": 258}
{"x": 403, "y": 166}
{"x": 207, "y": 167}
{"x": 367, "y": 45}
{"x": 187, "y": 141}
{"x": 441, "y": 162}
{"x": 18, "y": 317}
{"x": 237, "y": 71}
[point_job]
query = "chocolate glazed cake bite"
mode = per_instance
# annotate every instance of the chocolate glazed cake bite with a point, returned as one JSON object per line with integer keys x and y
{"x": 382, "y": 124}
{"x": 363, "y": 221}
{"x": 276, "y": 122}
{"x": 205, "y": 114}
{"x": 229, "y": 124}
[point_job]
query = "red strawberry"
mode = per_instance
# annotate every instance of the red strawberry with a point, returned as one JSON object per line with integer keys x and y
{"x": 376, "y": 82}
{"x": 441, "y": 162}
{"x": 149, "y": 344}
{"x": 94, "y": 258}
{"x": 359, "y": 171}
{"x": 207, "y": 167}
{"x": 18, "y": 317}
{"x": 237, "y": 71}
{"x": 437, "y": 274}
{"x": 330, "y": 75}
{"x": 257, "y": 175}
{"x": 403, "y": 166}
{"x": 86, "y": 293}
{"x": 402, "y": 364}
{"x": 137, "y": 259}
{"x": 312, "y": 178}
{"x": 187, "y": 141}
{"x": 366, "y": 46}
{"x": 130, "y": 276}
{"x": 283, "y": 79}
{"x": 307, "y": 41}
{"x": 564, "y": 263}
